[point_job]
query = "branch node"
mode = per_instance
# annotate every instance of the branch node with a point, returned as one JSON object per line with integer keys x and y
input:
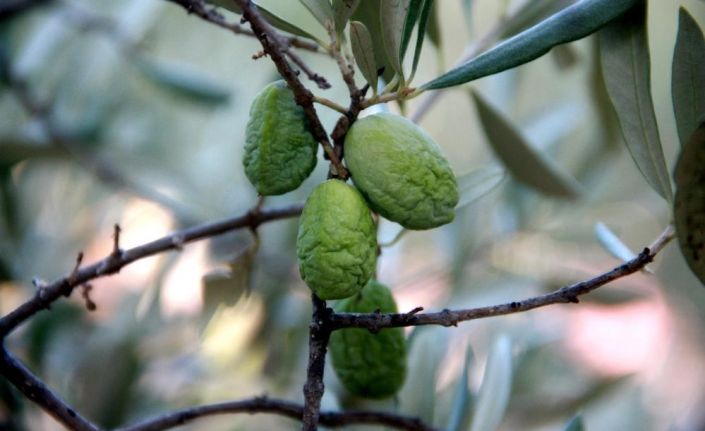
{"x": 259, "y": 54}
{"x": 449, "y": 319}
{"x": 74, "y": 273}
{"x": 178, "y": 242}
{"x": 116, "y": 241}
{"x": 414, "y": 311}
{"x": 86, "y": 295}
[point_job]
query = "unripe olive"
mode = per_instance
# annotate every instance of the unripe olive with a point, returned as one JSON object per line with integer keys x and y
{"x": 280, "y": 151}
{"x": 369, "y": 365}
{"x": 401, "y": 172}
{"x": 336, "y": 244}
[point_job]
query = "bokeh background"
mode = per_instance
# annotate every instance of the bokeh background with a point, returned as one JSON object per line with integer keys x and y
{"x": 155, "y": 102}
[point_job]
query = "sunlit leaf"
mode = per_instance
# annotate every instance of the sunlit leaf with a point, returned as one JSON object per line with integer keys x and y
{"x": 526, "y": 164}
{"x": 625, "y": 63}
{"x": 320, "y": 9}
{"x": 185, "y": 81}
{"x": 571, "y": 23}
{"x": 392, "y": 15}
{"x": 688, "y": 76}
{"x": 493, "y": 397}
{"x": 689, "y": 206}
{"x": 342, "y": 11}
{"x": 612, "y": 243}
{"x": 461, "y": 409}
{"x": 575, "y": 424}
{"x": 363, "y": 51}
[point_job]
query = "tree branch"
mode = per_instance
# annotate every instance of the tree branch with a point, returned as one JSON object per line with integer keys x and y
{"x": 319, "y": 333}
{"x": 565, "y": 295}
{"x": 210, "y": 14}
{"x": 272, "y": 45}
{"x": 34, "y": 389}
{"x": 112, "y": 264}
{"x": 280, "y": 407}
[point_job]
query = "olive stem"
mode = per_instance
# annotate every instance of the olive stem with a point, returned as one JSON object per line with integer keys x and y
{"x": 330, "y": 104}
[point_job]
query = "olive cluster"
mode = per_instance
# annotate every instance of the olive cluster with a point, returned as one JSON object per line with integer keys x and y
{"x": 398, "y": 172}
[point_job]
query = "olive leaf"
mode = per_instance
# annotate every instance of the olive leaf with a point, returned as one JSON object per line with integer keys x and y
{"x": 525, "y": 163}
{"x": 412, "y": 16}
{"x": 271, "y": 17}
{"x": 426, "y": 10}
{"x": 433, "y": 28}
{"x": 571, "y": 23}
{"x": 392, "y": 17}
{"x": 363, "y": 51}
{"x": 493, "y": 397}
{"x": 611, "y": 242}
{"x": 184, "y": 80}
{"x": 688, "y": 76}
{"x": 368, "y": 13}
{"x": 342, "y": 11}
{"x": 320, "y": 9}
{"x": 477, "y": 184}
{"x": 625, "y": 60}
{"x": 531, "y": 13}
{"x": 689, "y": 206}
{"x": 575, "y": 424}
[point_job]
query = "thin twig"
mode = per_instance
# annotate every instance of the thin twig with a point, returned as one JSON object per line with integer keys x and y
{"x": 113, "y": 263}
{"x": 271, "y": 43}
{"x": 210, "y": 14}
{"x": 35, "y": 390}
{"x": 566, "y": 295}
{"x": 330, "y": 104}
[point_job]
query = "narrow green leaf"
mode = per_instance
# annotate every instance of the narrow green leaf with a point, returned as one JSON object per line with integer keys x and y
{"x": 624, "y": 54}
{"x": 368, "y": 13}
{"x": 496, "y": 388}
{"x": 612, "y": 243}
{"x": 412, "y": 16}
{"x": 342, "y": 11}
{"x": 531, "y": 13}
{"x": 575, "y": 424}
{"x": 571, "y": 23}
{"x": 392, "y": 15}
{"x": 433, "y": 28}
{"x": 363, "y": 51}
{"x": 185, "y": 81}
{"x": 462, "y": 401}
{"x": 320, "y": 9}
{"x": 272, "y": 18}
{"x": 426, "y": 10}
{"x": 688, "y": 77}
{"x": 689, "y": 206}
{"x": 525, "y": 163}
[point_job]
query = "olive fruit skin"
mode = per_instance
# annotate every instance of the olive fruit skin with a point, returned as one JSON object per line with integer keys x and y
{"x": 336, "y": 244}
{"x": 369, "y": 365}
{"x": 401, "y": 172}
{"x": 280, "y": 151}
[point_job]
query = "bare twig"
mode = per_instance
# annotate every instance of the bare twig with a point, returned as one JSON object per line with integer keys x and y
{"x": 113, "y": 263}
{"x": 33, "y": 388}
{"x": 210, "y": 14}
{"x": 565, "y": 295}
{"x": 319, "y": 333}
{"x": 271, "y": 43}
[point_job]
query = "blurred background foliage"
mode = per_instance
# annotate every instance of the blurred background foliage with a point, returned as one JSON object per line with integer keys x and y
{"x": 150, "y": 105}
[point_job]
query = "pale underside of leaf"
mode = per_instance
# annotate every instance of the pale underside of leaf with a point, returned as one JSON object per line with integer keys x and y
{"x": 392, "y": 17}
{"x": 526, "y": 164}
{"x": 688, "y": 74}
{"x": 625, "y": 61}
